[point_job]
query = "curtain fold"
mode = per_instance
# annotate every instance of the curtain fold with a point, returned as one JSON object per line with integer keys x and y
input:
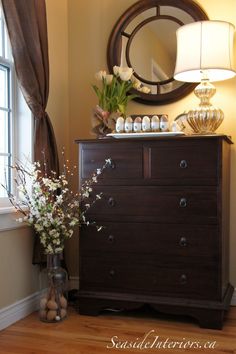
{"x": 27, "y": 27}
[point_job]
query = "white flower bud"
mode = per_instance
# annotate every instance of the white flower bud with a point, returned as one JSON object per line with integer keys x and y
{"x": 100, "y": 75}
{"x": 109, "y": 79}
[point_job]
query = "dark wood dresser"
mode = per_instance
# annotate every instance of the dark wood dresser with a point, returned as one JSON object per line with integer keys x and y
{"x": 165, "y": 209}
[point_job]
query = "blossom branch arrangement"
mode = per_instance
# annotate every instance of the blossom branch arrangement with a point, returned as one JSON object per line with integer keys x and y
{"x": 114, "y": 96}
{"x": 49, "y": 206}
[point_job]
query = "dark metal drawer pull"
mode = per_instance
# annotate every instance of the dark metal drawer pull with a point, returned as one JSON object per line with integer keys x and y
{"x": 183, "y": 164}
{"x": 183, "y": 202}
{"x": 112, "y": 273}
{"x": 111, "y": 202}
{"x": 183, "y": 279}
{"x": 183, "y": 242}
{"x": 111, "y": 238}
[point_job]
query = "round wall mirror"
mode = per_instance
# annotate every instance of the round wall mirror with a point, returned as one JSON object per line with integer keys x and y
{"x": 144, "y": 38}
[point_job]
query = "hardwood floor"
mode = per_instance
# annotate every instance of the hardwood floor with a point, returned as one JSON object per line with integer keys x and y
{"x": 91, "y": 335}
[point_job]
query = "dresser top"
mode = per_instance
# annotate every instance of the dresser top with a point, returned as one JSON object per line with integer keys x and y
{"x": 194, "y": 136}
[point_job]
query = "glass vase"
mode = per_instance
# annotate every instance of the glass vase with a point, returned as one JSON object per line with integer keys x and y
{"x": 103, "y": 122}
{"x": 53, "y": 303}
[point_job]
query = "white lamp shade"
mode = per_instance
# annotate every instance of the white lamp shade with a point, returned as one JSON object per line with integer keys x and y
{"x": 204, "y": 50}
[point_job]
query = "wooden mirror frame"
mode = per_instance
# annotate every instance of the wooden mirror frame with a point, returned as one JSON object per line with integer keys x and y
{"x": 115, "y": 42}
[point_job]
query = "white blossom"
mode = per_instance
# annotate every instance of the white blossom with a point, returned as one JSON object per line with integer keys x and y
{"x": 108, "y": 161}
{"x": 52, "y": 208}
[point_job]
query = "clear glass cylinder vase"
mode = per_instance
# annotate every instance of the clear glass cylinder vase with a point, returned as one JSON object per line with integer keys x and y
{"x": 53, "y": 303}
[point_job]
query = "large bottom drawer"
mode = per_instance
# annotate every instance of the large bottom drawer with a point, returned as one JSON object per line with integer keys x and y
{"x": 148, "y": 276}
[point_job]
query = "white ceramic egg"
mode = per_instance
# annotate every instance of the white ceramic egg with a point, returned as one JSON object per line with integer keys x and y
{"x": 120, "y": 125}
{"x": 155, "y": 123}
{"x": 146, "y": 126}
{"x": 128, "y": 125}
{"x": 175, "y": 127}
{"x": 137, "y": 124}
{"x": 164, "y": 124}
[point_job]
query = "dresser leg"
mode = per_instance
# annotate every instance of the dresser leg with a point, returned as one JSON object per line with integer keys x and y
{"x": 89, "y": 307}
{"x": 210, "y": 318}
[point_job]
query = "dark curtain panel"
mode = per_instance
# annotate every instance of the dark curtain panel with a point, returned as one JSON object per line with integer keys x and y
{"x": 27, "y": 27}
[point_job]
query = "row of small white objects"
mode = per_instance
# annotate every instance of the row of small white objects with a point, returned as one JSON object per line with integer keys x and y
{"x": 145, "y": 124}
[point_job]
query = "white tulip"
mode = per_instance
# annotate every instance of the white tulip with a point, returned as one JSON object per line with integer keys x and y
{"x": 125, "y": 73}
{"x": 136, "y": 82}
{"x": 116, "y": 70}
{"x": 108, "y": 79}
{"x": 100, "y": 75}
{"x": 144, "y": 89}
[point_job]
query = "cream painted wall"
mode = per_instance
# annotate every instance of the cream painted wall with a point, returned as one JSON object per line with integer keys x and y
{"x": 58, "y": 101}
{"x": 90, "y": 23}
{"x": 18, "y": 277}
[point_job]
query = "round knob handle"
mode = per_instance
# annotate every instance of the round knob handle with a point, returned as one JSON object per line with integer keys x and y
{"x": 183, "y": 279}
{"x": 111, "y": 202}
{"x": 183, "y": 164}
{"x": 112, "y": 273}
{"x": 183, "y": 202}
{"x": 111, "y": 238}
{"x": 183, "y": 242}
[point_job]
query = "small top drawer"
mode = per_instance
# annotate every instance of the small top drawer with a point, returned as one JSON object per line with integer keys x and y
{"x": 183, "y": 162}
{"x": 127, "y": 161}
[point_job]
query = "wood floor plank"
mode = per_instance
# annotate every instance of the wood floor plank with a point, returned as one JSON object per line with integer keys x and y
{"x": 92, "y": 335}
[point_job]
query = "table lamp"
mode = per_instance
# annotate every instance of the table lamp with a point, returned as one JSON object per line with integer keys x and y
{"x": 205, "y": 54}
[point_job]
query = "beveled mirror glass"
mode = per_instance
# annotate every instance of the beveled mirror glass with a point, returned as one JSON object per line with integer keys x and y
{"x": 144, "y": 38}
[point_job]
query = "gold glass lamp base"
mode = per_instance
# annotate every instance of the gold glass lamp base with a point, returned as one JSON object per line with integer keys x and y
{"x": 205, "y": 119}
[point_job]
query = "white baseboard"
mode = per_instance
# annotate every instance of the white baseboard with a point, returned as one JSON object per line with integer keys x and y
{"x": 19, "y": 310}
{"x": 22, "y": 308}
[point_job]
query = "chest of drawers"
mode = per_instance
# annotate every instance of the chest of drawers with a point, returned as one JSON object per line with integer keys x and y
{"x": 165, "y": 243}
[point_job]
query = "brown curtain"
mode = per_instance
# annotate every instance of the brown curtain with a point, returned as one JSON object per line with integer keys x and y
{"x": 27, "y": 27}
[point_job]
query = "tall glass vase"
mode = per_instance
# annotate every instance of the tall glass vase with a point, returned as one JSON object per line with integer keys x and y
{"x": 53, "y": 304}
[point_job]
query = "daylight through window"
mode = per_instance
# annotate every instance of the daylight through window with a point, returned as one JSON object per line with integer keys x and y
{"x": 15, "y": 118}
{"x": 6, "y": 87}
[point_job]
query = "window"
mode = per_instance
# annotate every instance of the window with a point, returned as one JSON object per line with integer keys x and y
{"x": 6, "y": 85}
{"x": 15, "y": 117}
